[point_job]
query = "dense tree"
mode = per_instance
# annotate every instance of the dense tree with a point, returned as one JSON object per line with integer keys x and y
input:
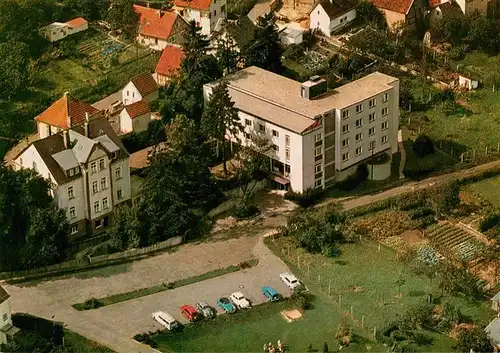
{"x": 254, "y": 165}
{"x": 221, "y": 119}
{"x": 185, "y": 96}
{"x": 366, "y": 12}
{"x": 178, "y": 188}
{"x": 473, "y": 340}
{"x": 265, "y": 49}
{"x": 32, "y": 231}
{"x": 423, "y": 146}
{"x": 227, "y": 54}
{"x": 483, "y": 33}
{"x": 14, "y": 70}
{"x": 121, "y": 15}
{"x": 125, "y": 229}
{"x": 89, "y": 9}
{"x": 444, "y": 197}
{"x": 457, "y": 280}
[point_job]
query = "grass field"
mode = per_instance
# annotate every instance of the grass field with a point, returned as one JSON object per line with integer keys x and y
{"x": 248, "y": 331}
{"x": 365, "y": 276}
{"x": 489, "y": 189}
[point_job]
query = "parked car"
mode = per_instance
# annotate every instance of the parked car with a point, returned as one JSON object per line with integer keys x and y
{"x": 206, "y": 310}
{"x": 239, "y": 300}
{"x": 165, "y": 320}
{"x": 290, "y": 280}
{"x": 226, "y": 305}
{"x": 190, "y": 312}
{"x": 271, "y": 294}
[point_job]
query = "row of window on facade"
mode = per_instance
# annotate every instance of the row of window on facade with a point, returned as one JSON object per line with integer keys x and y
{"x": 359, "y": 123}
{"x": 359, "y": 137}
{"x": 95, "y": 184}
{"x": 372, "y": 103}
{"x": 98, "y": 205}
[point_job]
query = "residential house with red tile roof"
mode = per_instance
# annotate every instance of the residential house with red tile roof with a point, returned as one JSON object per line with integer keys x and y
{"x": 135, "y": 117}
{"x": 207, "y": 14}
{"x": 64, "y": 113}
{"x": 401, "y": 12}
{"x": 331, "y": 15}
{"x": 88, "y": 168}
{"x": 158, "y": 28}
{"x": 57, "y": 30}
{"x": 169, "y": 64}
{"x": 141, "y": 87}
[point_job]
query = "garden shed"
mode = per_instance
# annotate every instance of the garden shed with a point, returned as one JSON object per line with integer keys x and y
{"x": 291, "y": 36}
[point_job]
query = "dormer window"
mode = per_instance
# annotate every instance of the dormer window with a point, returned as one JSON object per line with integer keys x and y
{"x": 71, "y": 172}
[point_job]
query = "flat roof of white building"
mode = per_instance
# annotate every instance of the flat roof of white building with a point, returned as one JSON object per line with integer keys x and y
{"x": 277, "y": 99}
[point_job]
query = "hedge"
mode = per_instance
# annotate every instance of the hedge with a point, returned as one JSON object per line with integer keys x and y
{"x": 46, "y": 328}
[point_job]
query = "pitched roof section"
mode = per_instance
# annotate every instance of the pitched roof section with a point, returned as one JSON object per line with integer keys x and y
{"x": 137, "y": 109}
{"x": 398, "y": 6}
{"x": 145, "y": 83}
{"x": 66, "y": 112}
{"x": 335, "y": 8}
{"x": 77, "y": 22}
{"x": 56, "y": 156}
{"x": 3, "y": 295}
{"x": 155, "y": 23}
{"x": 170, "y": 61}
{"x": 194, "y": 4}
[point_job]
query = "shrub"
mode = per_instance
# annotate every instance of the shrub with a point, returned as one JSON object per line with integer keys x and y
{"x": 474, "y": 339}
{"x": 423, "y": 222}
{"x": 245, "y": 210}
{"x": 141, "y": 337}
{"x": 293, "y": 51}
{"x": 489, "y": 222}
{"x": 423, "y": 146}
{"x": 420, "y": 212}
{"x": 92, "y": 303}
{"x": 305, "y": 199}
{"x": 299, "y": 299}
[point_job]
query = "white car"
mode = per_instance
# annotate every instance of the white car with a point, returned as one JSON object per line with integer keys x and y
{"x": 165, "y": 319}
{"x": 239, "y": 300}
{"x": 290, "y": 280}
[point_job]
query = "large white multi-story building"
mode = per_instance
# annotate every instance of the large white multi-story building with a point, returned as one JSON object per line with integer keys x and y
{"x": 318, "y": 137}
{"x": 84, "y": 160}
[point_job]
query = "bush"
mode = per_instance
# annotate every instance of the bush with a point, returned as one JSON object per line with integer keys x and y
{"x": 92, "y": 303}
{"x": 294, "y": 51}
{"x": 420, "y": 212}
{"x": 141, "y": 337}
{"x": 245, "y": 210}
{"x": 489, "y": 222}
{"x": 305, "y": 199}
{"x": 423, "y": 146}
{"x": 299, "y": 299}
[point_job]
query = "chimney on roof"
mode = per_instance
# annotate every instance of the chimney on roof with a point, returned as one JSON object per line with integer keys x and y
{"x": 160, "y": 13}
{"x": 147, "y": 4}
{"x": 66, "y": 138}
{"x": 86, "y": 125}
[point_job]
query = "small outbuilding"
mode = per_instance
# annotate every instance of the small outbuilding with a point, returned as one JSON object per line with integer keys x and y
{"x": 291, "y": 36}
{"x": 493, "y": 332}
{"x": 467, "y": 82}
{"x": 58, "y": 30}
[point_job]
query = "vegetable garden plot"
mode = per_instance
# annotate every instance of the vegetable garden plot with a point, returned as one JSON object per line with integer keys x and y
{"x": 454, "y": 241}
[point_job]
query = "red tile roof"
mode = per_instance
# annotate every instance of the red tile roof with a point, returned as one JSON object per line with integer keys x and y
{"x": 65, "y": 112}
{"x": 155, "y": 23}
{"x": 398, "y": 6}
{"x": 194, "y": 4}
{"x": 77, "y": 22}
{"x": 145, "y": 83}
{"x": 137, "y": 109}
{"x": 170, "y": 61}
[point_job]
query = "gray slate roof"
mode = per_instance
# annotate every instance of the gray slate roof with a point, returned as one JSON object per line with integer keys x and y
{"x": 493, "y": 331}
{"x": 66, "y": 159}
{"x": 3, "y": 295}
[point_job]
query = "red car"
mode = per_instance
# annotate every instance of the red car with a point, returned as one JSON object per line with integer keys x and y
{"x": 190, "y": 312}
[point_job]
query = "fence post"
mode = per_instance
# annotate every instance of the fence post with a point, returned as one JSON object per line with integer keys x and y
{"x": 298, "y": 261}
{"x": 329, "y": 289}
{"x": 308, "y": 268}
{"x": 319, "y": 279}
{"x": 363, "y": 321}
{"x": 486, "y": 150}
{"x": 473, "y": 153}
{"x": 340, "y": 300}
{"x": 374, "y": 332}
{"x": 352, "y": 313}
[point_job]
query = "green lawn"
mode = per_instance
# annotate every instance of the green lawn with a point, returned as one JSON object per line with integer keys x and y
{"x": 429, "y": 163}
{"x": 248, "y": 331}
{"x": 365, "y": 278}
{"x": 489, "y": 189}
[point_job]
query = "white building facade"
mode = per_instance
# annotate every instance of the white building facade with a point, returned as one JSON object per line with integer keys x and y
{"x": 89, "y": 169}
{"x": 207, "y": 14}
{"x": 330, "y": 16}
{"x": 318, "y": 138}
{"x": 5, "y": 315}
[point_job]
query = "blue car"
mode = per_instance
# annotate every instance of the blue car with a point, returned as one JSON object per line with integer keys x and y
{"x": 271, "y": 294}
{"x": 226, "y": 305}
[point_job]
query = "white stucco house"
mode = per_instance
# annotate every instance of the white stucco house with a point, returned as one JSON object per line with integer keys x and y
{"x": 318, "y": 137}
{"x": 135, "y": 117}
{"x": 140, "y": 87}
{"x": 58, "y": 30}
{"x": 207, "y": 14}
{"x": 85, "y": 161}
{"x": 5, "y": 316}
{"x": 331, "y": 15}
{"x": 158, "y": 28}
